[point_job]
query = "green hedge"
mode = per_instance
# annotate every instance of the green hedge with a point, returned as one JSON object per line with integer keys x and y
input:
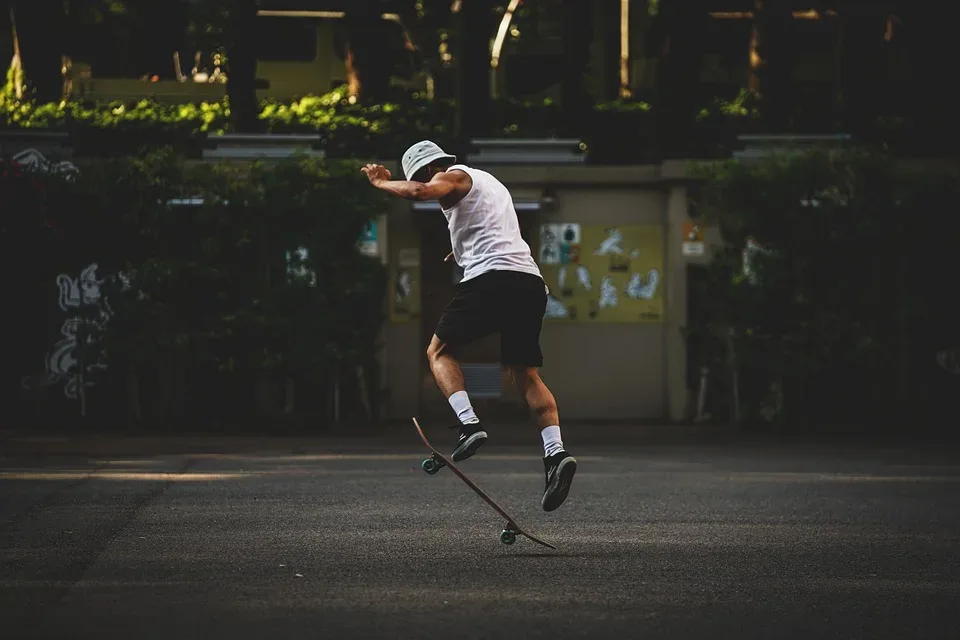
{"x": 827, "y": 306}
{"x": 213, "y": 295}
{"x": 347, "y": 130}
{"x": 613, "y": 132}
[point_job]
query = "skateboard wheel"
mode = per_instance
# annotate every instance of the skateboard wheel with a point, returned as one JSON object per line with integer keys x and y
{"x": 430, "y": 466}
{"x": 508, "y": 537}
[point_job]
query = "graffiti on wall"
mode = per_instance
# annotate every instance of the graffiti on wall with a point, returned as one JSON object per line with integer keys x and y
{"x": 949, "y": 361}
{"x": 33, "y": 160}
{"x": 88, "y": 313}
{"x": 61, "y": 359}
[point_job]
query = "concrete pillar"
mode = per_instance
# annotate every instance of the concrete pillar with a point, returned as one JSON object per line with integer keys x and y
{"x": 678, "y": 397}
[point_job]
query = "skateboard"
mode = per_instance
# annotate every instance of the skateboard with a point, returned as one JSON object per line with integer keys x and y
{"x": 437, "y": 461}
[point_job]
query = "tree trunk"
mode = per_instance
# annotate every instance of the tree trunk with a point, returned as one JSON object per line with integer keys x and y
{"x": 40, "y": 31}
{"x": 771, "y": 61}
{"x": 473, "y": 60}
{"x": 161, "y": 28}
{"x": 683, "y": 26}
{"x": 577, "y": 36}
{"x": 610, "y": 56}
{"x": 863, "y": 60}
{"x": 927, "y": 31}
{"x": 368, "y": 56}
{"x": 242, "y": 59}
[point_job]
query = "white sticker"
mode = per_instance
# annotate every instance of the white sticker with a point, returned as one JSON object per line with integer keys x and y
{"x": 550, "y": 243}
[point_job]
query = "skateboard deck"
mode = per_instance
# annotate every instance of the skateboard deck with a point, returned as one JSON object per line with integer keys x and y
{"x": 437, "y": 461}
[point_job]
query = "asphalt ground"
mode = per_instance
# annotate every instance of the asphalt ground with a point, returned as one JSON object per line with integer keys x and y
{"x": 350, "y": 539}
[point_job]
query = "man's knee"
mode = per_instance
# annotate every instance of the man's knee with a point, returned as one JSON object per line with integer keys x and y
{"x": 524, "y": 377}
{"x": 435, "y": 349}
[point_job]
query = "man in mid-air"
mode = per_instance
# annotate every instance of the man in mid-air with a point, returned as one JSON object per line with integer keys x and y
{"x": 502, "y": 292}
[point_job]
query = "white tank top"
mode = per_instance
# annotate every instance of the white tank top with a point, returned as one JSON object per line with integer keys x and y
{"x": 484, "y": 230}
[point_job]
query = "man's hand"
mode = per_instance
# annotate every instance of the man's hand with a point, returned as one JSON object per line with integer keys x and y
{"x": 376, "y": 174}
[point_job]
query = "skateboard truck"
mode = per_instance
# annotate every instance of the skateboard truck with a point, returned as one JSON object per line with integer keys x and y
{"x": 433, "y": 464}
{"x": 437, "y": 461}
{"x": 509, "y": 533}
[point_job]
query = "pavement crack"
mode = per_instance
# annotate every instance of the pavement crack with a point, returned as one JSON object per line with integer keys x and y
{"x": 9, "y": 523}
{"x": 83, "y": 554}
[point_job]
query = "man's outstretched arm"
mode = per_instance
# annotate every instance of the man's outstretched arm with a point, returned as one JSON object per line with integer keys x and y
{"x": 441, "y": 184}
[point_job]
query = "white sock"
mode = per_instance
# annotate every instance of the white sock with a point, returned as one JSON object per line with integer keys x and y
{"x": 461, "y": 405}
{"x": 551, "y": 441}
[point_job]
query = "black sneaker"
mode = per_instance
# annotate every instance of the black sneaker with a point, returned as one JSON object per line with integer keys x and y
{"x": 472, "y": 436}
{"x": 559, "y": 469}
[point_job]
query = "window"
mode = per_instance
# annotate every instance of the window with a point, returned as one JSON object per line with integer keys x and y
{"x": 287, "y": 39}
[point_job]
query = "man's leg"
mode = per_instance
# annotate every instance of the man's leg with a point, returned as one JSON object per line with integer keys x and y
{"x": 542, "y": 404}
{"x": 465, "y": 319}
{"x": 449, "y": 378}
{"x": 525, "y": 302}
{"x": 559, "y": 466}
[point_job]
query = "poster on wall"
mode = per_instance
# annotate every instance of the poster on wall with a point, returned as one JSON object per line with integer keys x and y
{"x": 367, "y": 243}
{"x": 603, "y": 274}
{"x": 693, "y": 244}
{"x": 559, "y": 243}
{"x": 404, "y": 283}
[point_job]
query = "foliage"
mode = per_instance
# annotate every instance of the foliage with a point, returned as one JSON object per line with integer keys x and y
{"x": 742, "y": 105}
{"x": 356, "y": 130}
{"x": 347, "y": 130}
{"x": 820, "y": 284}
{"x": 259, "y": 278}
{"x": 618, "y": 131}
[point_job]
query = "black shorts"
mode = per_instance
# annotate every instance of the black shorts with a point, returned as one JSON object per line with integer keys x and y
{"x": 510, "y": 303}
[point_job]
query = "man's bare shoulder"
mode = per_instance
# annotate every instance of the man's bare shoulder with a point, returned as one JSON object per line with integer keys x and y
{"x": 460, "y": 181}
{"x": 459, "y": 178}
{"x": 455, "y": 175}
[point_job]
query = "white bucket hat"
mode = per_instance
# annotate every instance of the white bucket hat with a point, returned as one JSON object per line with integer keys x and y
{"x": 420, "y": 155}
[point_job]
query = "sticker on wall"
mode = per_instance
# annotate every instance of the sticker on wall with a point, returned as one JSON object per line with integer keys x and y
{"x": 403, "y": 287}
{"x": 612, "y": 244}
{"x": 643, "y": 287}
{"x": 570, "y": 244}
{"x": 583, "y": 280}
{"x": 693, "y": 244}
{"x": 560, "y": 243}
{"x": 555, "y": 308}
{"x": 550, "y": 244}
{"x": 367, "y": 243}
{"x": 583, "y": 276}
{"x": 614, "y": 274}
{"x": 404, "y": 264}
{"x": 608, "y": 293}
{"x": 570, "y": 234}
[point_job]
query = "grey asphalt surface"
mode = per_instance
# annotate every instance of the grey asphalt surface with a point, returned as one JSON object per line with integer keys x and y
{"x": 325, "y": 539}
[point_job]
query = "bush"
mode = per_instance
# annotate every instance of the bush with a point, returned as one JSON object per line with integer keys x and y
{"x": 824, "y": 301}
{"x": 347, "y": 130}
{"x": 256, "y": 285}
